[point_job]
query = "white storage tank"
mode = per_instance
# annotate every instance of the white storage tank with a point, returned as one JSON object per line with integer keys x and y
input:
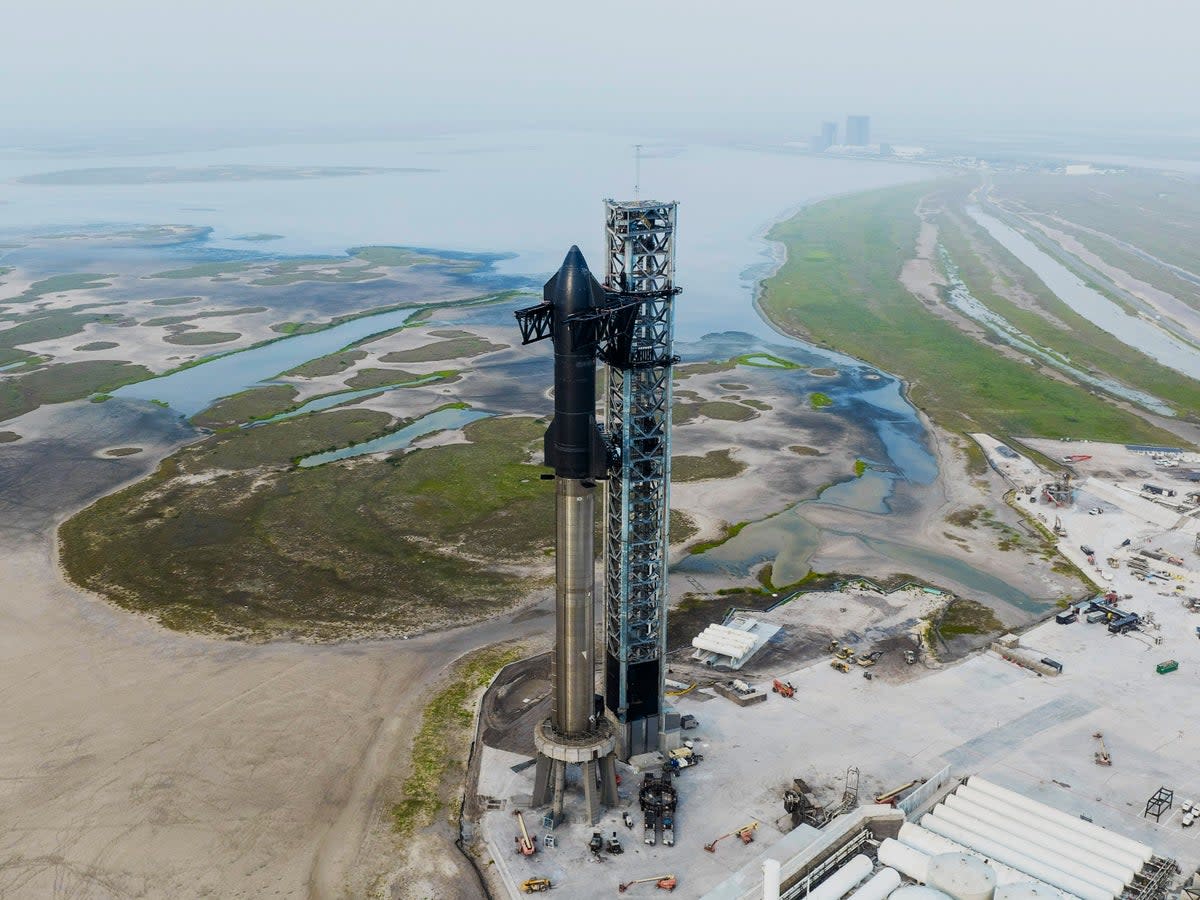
{"x": 962, "y": 876}
{"x": 1023, "y": 837}
{"x": 1057, "y": 815}
{"x": 879, "y": 886}
{"x": 1026, "y": 890}
{"x": 1077, "y": 862}
{"x": 1052, "y": 876}
{"x": 843, "y": 880}
{"x": 908, "y": 862}
{"x": 927, "y": 842}
{"x": 971, "y": 799}
{"x": 918, "y": 892}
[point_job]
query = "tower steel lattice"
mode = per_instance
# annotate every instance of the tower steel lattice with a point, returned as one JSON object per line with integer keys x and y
{"x": 640, "y": 266}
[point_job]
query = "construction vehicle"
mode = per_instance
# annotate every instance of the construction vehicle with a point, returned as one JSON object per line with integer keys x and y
{"x": 840, "y": 664}
{"x": 526, "y": 845}
{"x": 784, "y": 688}
{"x": 833, "y": 645}
{"x": 869, "y": 659}
{"x": 535, "y": 885}
{"x": 658, "y": 799}
{"x": 596, "y": 844}
{"x": 1102, "y": 756}
{"x": 628, "y": 819}
{"x": 910, "y": 657}
{"x": 845, "y": 653}
{"x": 681, "y": 758}
{"x": 890, "y": 797}
{"x": 662, "y": 882}
{"x": 1058, "y": 527}
{"x": 614, "y": 845}
{"x": 745, "y": 833}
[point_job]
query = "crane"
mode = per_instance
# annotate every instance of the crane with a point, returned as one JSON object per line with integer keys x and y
{"x": 525, "y": 844}
{"x": 1102, "y": 756}
{"x": 662, "y": 882}
{"x": 746, "y": 833}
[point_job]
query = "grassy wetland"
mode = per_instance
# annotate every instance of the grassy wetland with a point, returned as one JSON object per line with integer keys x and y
{"x": 230, "y": 538}
{"x": 841, "y": 286}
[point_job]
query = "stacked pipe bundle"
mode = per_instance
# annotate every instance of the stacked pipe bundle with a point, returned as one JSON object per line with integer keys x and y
{"x": 1046, "y": 851}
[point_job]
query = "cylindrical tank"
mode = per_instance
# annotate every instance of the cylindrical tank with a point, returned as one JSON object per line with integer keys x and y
{"x": 843, "y": 880}
{"x": 1056, "y": 815}
{"x": 932, "y": 844}
{"x": 1055, "y": 831}
{"x": 1022, "y": 823}
{"x": 1079, "y": 863}
{"x": 879, "y": 886}
{"x": 1026, "y": 890}
{"x": 904, "y": 859}
{"x": 918, "y": 892}
{"x": 1038, "y": 870}
{"x": 575, "y": 608}
{"x": 771, "y": 879}
{"x": 962, "y": 876}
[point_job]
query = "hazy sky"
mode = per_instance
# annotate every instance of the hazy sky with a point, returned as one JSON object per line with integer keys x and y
{"x": 1069, "y": 63}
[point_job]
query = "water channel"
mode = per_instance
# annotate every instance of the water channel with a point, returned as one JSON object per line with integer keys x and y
{"x": 1134, "y": 331}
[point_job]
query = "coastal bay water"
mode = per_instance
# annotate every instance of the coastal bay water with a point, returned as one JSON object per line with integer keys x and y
{"x": 527, "y": 197}
{"x": 528, "y": 194}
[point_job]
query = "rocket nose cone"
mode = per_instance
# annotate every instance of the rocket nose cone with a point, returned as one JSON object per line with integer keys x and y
{"x": 571, "y": 288}
{"x": 574, "y": 259}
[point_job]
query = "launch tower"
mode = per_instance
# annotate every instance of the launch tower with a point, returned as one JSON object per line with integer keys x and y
{"x": 640, "y": 269}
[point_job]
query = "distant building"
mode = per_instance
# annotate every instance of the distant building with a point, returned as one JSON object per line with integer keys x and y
{"x": 819, "y": 143}
{"x": 829, "y": 134}
{"x": 886, "y": 150}
{"x": 858, "y": 131}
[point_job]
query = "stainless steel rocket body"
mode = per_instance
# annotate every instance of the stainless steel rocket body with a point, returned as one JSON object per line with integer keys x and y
{"x": 575, "y": 616}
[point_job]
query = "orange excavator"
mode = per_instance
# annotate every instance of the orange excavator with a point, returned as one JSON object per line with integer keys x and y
{"x": 526, "y": 846}
{"x": 746, "y": 833}
{"x": 662, "y": 882}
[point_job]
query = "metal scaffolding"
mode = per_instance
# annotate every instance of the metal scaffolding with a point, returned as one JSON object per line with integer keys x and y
{"x": 640, "y": 267}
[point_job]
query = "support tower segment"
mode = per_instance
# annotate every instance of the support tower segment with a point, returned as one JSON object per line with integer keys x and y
{"x": 639, "y": 265}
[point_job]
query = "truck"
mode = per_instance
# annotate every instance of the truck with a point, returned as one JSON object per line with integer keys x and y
{"x": 1125, "y": 623}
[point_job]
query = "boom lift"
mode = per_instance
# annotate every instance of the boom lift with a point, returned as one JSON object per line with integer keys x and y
{"x": 746, "y": 833}
{"x": 526, "y": 846}
{"x": 662, "y": 882}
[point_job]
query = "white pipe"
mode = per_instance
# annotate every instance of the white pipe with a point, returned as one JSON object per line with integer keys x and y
{"x": 881, "y": 884}
{"x": 1029, "y": 890}
{"x": 1004, "y": 815}
{"x": 934, "y": 844}
{"x": 1056, "y": 815}
{"x": 771, "y": 879}
{"x": 1055, "y": 830}
{"x": 841, "y": 881}
{"x": 1044, "y": 856}
{"x": 904, "y": 859}
{"x": 1040, "y": 871}
{"x": 1079, "y": 863}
